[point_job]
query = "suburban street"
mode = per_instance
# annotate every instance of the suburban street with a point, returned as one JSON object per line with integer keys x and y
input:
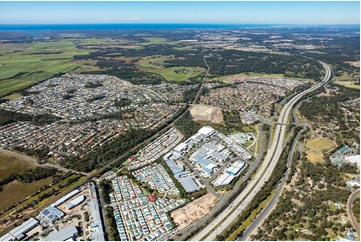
{"x": 221, "y": 222}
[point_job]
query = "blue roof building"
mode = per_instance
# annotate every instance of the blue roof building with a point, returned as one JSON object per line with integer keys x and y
{"x": 207, "y": 170}
{"x": 52, "y": 214}
{"x": 175, "y": 167}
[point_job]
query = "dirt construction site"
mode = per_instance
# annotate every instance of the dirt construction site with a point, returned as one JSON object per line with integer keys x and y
{"x": 206, "y": 113}
{"x": 195, "y": 210}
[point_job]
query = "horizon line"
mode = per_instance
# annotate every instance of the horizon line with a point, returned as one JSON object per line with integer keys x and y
{"x": 101, "y": 23}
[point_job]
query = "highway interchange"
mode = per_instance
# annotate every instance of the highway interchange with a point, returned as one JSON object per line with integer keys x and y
{"x": 223, "y": 220}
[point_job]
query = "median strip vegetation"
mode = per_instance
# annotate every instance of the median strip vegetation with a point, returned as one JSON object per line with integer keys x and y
{"x": 262, "y": 196}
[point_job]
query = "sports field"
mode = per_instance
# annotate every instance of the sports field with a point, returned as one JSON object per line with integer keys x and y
{"x": 320, "y": 144}
{"x": 314, "y": 157}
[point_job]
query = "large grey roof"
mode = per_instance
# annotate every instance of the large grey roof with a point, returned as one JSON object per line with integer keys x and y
{"x": 188, "y": 183}
{"x": 63, "y": 234}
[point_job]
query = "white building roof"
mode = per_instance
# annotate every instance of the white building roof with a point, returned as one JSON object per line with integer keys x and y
{"x": 223, "y": 180}
{"x": 206, "y": 130}
{"x": 354, "y": 159}
{"x": 63, "y": 234}
{"x": 180, "y": 147}
{"x": 7, "y": 237}
{"x": 75, "y": 202}
{"x": 24, "y": 227}
{"x": 236, "y": 167}
{"x": 65, "y": 198}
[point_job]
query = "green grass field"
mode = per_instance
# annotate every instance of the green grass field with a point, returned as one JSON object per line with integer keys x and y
{"x": 314, "y": 157}
{"x": 12, "y": 164}
{"x": 189, "y": 47}
{"x": 36, "y": 62}
{"x": 320, "y": 144}
{"x": 348, "y": 84}
{"x": 155, "y": 40}
{"x": 13, "y": 96}
{"x": 16, "y": 191}
{"x": 156, "y": 64}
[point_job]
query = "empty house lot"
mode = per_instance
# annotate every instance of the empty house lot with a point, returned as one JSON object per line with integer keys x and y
{"x": 194, "y": 210}
{"x": 206, "y": 113}
{"x": 140, "y": 216}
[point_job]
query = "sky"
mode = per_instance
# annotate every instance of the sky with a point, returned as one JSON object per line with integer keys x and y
{"x": 181, "y": 12}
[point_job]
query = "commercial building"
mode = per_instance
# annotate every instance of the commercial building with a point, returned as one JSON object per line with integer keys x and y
{"x": 175, "y": 167}
{"x": 235, "y": 168}
{"x": 188, "y": 183}
{"x": 65, "y": 198}
{"x": 19, "y": 233}
{"x": 51, "y": 214}
{"x": 97, "y": 232}
{"x": 180, "y": 148}
{"x": 66, "y": 234}
{"x": 219, "y": 156}
{"x": 354, "y": 159}
{"x": 75, "y": 202}
{"x": 223, "y": 180}
{"x": 241, "y": 138}
{"x": 207, "y": 131}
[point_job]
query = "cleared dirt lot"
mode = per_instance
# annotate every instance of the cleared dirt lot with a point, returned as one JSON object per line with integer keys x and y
{"x": 206, "y": 113}
{"x": 192, "y": 211}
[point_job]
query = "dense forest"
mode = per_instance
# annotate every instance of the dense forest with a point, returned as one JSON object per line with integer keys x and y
{"x": 309, "y": 207}
{"x": 190, "y": 94}
{"x": 232, "y": 119}
{"x": 7, "y": 117}
{"x": 328, "y": 109}
{"x": 127, "y": 71}
{"x": 108, "y": 151}
{"x": 186, "y": 125}
{"x": 228, "y": 62}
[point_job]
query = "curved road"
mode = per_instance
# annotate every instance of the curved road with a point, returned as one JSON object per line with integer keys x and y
{"x": 350, "y": 214}
{"x": 259, "y": 220}
{"x": 221, "y": 222}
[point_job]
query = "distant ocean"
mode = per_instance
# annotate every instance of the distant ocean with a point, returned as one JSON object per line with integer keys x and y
{"x": 70, "y": 27}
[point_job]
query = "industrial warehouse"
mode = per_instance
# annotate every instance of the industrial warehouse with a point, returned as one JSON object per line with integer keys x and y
{"x": 211, "y": 152}
{"x": 60, "y": 220}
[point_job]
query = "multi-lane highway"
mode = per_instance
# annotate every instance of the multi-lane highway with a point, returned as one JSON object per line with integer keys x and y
{"x": 259, "y": 220}
{"x": 223, "y": 220}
